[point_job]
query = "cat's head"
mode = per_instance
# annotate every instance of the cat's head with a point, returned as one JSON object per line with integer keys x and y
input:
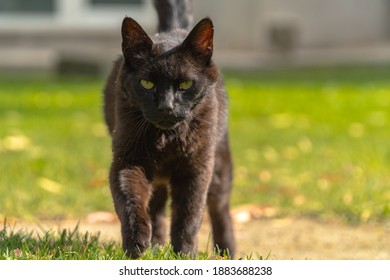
{"x": 168, "y": 75}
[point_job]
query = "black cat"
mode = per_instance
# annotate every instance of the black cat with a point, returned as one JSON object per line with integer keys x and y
{"x": 166, "y": 109}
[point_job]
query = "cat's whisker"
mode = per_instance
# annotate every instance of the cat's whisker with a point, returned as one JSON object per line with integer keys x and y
{"x": 187, "y": 125}
{"x": 197, "y": 117}
{"x": 133, "y": 136}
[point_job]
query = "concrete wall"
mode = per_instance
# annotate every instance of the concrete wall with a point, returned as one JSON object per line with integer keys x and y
{"x": 236, "y": 22}
{"x": 317, "y": 23}
{"x": 239, "y": 24}
{"x": 331, "y": 22}
{"x": 254, "y": 30}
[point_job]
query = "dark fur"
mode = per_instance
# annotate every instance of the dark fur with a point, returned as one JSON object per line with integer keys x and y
{"x": 168, "y": 141}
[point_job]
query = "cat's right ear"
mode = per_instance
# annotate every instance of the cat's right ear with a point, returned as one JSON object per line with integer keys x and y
{"x": 136, "y": 44}
{"x": 200, "y": 40}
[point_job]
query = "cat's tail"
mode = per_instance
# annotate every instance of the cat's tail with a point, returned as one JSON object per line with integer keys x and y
{"x": 173, "y": 14}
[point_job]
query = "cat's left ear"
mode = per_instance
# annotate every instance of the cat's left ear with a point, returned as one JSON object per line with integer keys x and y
{"x": 200, "y": 40}
{"x": 136, "y": 44}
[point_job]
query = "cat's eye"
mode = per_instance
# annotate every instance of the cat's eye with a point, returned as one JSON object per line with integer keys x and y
{"x": 147, "y": 84}
{"x": 185, "y": 85}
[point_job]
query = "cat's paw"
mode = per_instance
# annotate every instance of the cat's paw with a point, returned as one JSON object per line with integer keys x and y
{"x": 136, "y": 249}
{"x": 136, "y": 246}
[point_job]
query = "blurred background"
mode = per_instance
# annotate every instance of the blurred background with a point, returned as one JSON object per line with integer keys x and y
{"x": 60, "y": 36}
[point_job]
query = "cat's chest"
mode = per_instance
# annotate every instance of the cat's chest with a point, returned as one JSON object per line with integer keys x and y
{"x": 171, "y": 143}
{"x": 171, "y": 151}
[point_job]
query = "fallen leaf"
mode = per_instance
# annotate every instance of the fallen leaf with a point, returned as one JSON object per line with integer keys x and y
{"x": 16, "y": 143}
{"x": 101, "y": 217}
{"x": 49, "y": 185}
{"x": 246, "y": 213}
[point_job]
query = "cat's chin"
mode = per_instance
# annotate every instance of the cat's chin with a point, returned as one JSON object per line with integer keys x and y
{"x": 166, "y": 124}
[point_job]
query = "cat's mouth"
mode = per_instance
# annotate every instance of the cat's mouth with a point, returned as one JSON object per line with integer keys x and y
{"x": 167, "y": 123}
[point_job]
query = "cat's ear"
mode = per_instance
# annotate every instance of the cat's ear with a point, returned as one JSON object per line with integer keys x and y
{"x": 200, "y": 40}
{"x": 136, "y": 44}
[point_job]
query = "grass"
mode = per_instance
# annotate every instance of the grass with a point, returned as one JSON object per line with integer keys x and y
{"x": 54, "y": 148}
{"x": 311, "y": 142}
{"x": 73, "y": 245}
{"x": 62, "y": 245}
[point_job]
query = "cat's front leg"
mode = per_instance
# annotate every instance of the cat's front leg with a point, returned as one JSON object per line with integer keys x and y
{"x": 189, "y": 192}
{"x": 131, "y": 193}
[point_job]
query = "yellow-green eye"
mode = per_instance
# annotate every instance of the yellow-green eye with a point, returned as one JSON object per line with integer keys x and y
{"x": 185, "y": 85}
{"x": 147, "y": 84}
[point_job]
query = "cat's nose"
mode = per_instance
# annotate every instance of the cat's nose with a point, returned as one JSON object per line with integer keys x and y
{"x": 165, "y": 105}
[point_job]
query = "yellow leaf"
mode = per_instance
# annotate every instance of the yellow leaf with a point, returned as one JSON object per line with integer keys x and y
{"x": 16, "y": 143}
{"x": 282, "y": 120}
{"x": 365, "y": 215}
{"x": 49, "y": 185}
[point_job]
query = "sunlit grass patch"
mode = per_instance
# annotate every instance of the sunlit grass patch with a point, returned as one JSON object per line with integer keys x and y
{"x": 71, "y": 244}
{"x": 312, "y": 146}
{"x": 54, "y": 149}
{"x": 55, "y": 245}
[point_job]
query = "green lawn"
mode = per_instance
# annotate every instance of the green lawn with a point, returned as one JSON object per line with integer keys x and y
{"x": 73, "y": 245}
{"x": 54, "y": 149}
{"x": 306, "y": 142}
{"x": 313, "y": 142}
